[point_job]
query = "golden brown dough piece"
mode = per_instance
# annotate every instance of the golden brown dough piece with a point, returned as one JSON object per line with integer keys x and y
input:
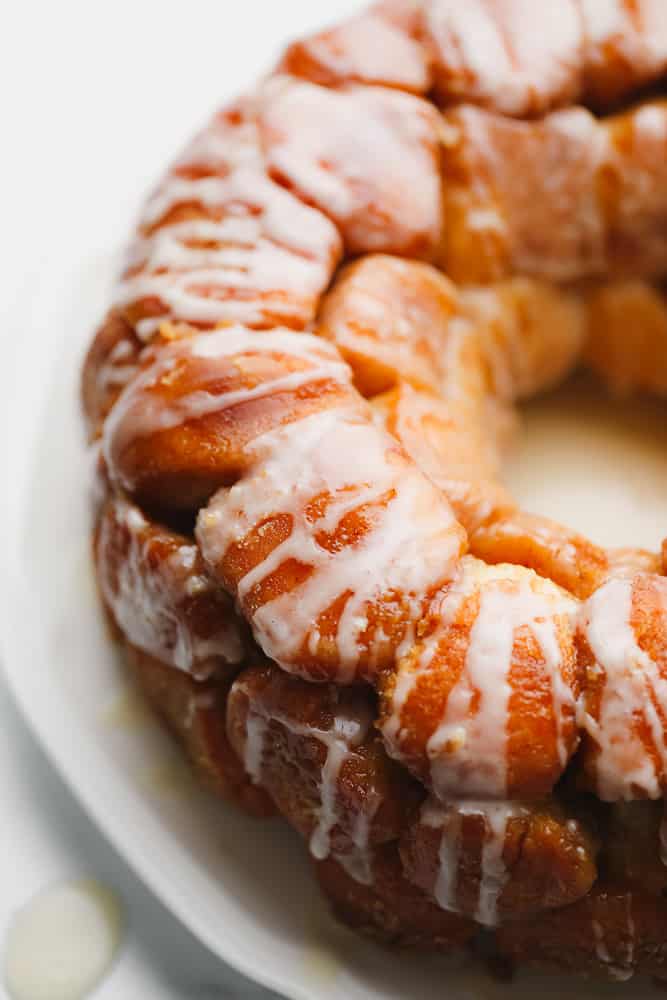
{"x": 613, "y": 932}
{"x": 372, "y": 48}
{"x": 111, "y": 362}
{"x": 219, "y": 242}
{"x": 515, "y": 57}
{"x": 628, "y": 561}
{"x": 186, "y": 425}
{"x": 484, "y": 707}
{"x": 478, "y": 349}
{"x": 627, "y": 337}
{"x": 551, "y": 549}
{"x": 564, "y": 198}
{"x": 313, "y": 748}
{"x": 623, "y": 648}
{"x": 194, "y": 711}
{"x": 392, "y": 909}
{"x": 634, "y": 846}
{"x": 498, "y": 861}
{"x": 374, "y": 170}
{"x": 450, "y": 446}
{"x": 161, "y": 595}
{"x": 393, "y": 319}
{"x": 522, "y": 58}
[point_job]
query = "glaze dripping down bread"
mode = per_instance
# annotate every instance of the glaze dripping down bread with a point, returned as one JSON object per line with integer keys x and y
{"x": 302, "y": 395}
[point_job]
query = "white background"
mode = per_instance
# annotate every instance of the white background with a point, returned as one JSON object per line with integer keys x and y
{"x": 95, "y": 98}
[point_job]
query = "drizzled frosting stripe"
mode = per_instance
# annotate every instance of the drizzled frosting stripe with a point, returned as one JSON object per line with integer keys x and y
{"x": 161, "y": 594}
{"x": 349, "y": 731}
{"x": 625, "y": 711}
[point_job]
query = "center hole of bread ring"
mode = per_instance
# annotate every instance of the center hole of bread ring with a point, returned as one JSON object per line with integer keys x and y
{"x": 594, "y": 461}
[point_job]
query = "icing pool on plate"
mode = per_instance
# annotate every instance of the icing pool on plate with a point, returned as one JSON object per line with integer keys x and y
{"x": 62, "y": 942}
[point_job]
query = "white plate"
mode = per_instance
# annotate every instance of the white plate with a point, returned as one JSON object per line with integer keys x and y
{"x": 242, "y": 887}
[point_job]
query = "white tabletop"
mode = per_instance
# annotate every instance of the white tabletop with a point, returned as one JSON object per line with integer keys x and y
{"x": 96, "y": 98}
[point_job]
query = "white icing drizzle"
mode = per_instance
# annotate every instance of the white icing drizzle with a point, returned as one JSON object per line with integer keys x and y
{"x": 633, "y": 689}
{"x": 411, "y": 547}
{"x": 611, "y": 32}
{"x": 650, "y": 121}
{"x": 519, "y": 56}
{"x": 260, "y": 257}
{"x": 137, "y": 413}
{"x": 601, "y": 950}
{"x": 449, "y": 818}
{"x": 624, "y": 970}
{"x": 494, "y": 872}
{"x": 256, "y": 726}
{"x": 468, "y": 749}
{"x": 144, "y": 599}
{"x": 118, "y": 368}
{"x": 348, "y": 731}
{"x": 196, "y": 703}
{"x": 494, "y": 875}
{"x": 358, "y": 862}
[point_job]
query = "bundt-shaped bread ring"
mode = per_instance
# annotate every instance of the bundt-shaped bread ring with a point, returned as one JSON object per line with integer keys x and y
{"x": 302, "y": 395}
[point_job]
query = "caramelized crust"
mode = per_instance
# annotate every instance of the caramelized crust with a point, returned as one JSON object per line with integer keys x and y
{"x": 314, "y": 750}
{"x": 392, "y": 910}
{"x": 522, "y": 58}
{"x": 549, "y": 548}
{"x": 219, "y": 242}
{"x": 613, "y": 932}
{"x": 634, "y": 847}
{"x": 499, "y": 861}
